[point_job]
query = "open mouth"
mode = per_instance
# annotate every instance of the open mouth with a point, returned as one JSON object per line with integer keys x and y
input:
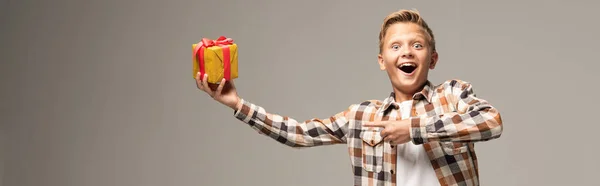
{"x": 407, "y": 67}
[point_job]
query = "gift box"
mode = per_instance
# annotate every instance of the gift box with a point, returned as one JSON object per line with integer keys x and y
{"x": 217, "y": 58}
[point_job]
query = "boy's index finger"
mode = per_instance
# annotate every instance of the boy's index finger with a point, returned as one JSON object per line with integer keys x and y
{"x": 375, "y": 124}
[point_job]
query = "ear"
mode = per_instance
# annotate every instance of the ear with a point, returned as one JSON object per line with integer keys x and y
{"x": 381, "y": 62}
{"x": 434, "y": 59}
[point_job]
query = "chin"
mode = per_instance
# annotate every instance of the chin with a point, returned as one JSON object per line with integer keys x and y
{"x": 408, "y": 85}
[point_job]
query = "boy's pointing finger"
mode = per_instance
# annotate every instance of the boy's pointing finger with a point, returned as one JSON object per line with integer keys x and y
{"x": 375, "y": 124}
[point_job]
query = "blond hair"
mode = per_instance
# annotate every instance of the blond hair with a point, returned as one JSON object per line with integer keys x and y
{"x": 405, "y": 16}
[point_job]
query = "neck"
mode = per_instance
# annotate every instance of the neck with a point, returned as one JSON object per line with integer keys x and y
{"x": 403, "y": 95}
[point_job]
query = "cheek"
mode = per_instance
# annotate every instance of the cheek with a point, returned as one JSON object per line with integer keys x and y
{"x": 426, "y": 60}
{"x": 390, "y": 59}
{"x": 390, "y": 65}
{"x": 390, "y": 62}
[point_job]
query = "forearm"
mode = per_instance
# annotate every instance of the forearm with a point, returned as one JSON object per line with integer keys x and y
{"x": 290, "y": 132}
{"x": 474, "y": 126}
{"x": 473, "y": 120}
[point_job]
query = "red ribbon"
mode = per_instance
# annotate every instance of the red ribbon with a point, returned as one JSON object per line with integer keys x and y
{"x": 221, "y": 42}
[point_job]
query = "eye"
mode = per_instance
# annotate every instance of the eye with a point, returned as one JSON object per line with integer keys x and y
{"x": 395, "y": 47}
{"x": 418, "y": 45}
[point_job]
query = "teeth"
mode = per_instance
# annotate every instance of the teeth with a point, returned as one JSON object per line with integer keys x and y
{"x": 407, "y": 64}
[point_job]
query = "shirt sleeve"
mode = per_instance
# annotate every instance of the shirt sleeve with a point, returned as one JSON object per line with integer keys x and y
{"x": 288, "y": 131}
{"x": 475, "y": 119}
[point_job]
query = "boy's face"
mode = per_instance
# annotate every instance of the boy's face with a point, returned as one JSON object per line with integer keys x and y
{"x": 406, "y": 56}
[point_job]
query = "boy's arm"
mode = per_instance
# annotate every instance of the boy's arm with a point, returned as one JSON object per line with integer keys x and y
{"x": 475, "y": 119}
{"x": 290, "y": 132}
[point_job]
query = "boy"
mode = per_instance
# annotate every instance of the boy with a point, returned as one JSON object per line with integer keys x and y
{"x": 420, "y": 134}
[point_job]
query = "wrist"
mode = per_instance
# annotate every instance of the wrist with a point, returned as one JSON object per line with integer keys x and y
{"x": 238, "y": 104}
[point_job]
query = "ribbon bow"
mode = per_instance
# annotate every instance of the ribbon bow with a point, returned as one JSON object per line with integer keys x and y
{"x": 221, "y": 42}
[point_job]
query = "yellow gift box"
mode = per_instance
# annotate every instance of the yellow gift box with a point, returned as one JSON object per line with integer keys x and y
{"x": 217, "y": 58}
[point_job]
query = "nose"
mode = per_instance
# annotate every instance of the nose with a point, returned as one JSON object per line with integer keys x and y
{"x": 407, "y": 53}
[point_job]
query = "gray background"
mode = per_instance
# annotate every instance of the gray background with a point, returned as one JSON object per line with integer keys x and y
{"x": 100, "y": 93}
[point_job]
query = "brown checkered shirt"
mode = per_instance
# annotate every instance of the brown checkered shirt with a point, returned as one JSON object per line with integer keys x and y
{"x": 447, "y": 119}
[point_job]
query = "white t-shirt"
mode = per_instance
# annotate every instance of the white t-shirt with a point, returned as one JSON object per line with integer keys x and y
{"x": 413, "y": 166}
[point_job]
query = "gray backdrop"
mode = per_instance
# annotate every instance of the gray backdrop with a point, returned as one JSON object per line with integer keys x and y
{"x": 99, "y": 92}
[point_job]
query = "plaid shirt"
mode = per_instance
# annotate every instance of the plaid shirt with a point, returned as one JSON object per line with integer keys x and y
{"x": 447, "y": 120}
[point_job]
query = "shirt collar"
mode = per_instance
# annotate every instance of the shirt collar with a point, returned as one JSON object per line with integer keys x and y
{"x": 425, "y": 93}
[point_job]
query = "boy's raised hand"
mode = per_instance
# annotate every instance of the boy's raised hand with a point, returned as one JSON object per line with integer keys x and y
{"x": 225, "y": 92}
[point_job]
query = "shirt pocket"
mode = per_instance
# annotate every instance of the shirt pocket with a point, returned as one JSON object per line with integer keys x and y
{"x": 372, "y": 154}
{"x": 454, "y": 148}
